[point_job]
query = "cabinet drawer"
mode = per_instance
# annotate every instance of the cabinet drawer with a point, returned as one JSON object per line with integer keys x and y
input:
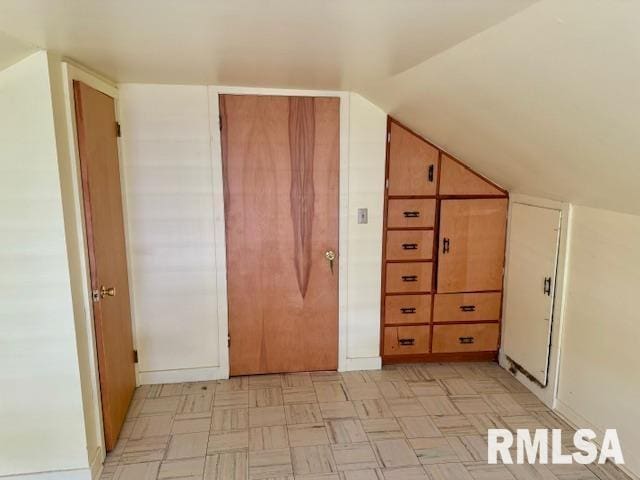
{"x": 410, "y": 245}
{"x": 406, "y": 340}
{"x": 411, "y": 213}
{"x": 408, "y": 277}
{"x": 466, "y": 307}
{"x": 407, "y": 309}
{"x": 482, "y": 337}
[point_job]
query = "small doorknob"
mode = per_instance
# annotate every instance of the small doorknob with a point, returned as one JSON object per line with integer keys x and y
{"x": 330, "y": 255}
{"x": 107, "y": 291}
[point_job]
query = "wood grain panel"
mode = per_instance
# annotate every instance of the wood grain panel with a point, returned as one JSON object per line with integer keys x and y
{"x": 280, "y": 167}
{"x": 413, "y": 164}
{"x": 457, "y": 179}
{"x": 408, "y": 277}
{"x": 406, "y": 340}
{"x": 102, "y": 197}
{"x": 409, "y": 245}
{"x": 466, "y": 307}
{"x": 411, "y": 213}
{"x": 481, "y": 337}
{"x": 471, "y": 246}
{"x": 407, "y": 309}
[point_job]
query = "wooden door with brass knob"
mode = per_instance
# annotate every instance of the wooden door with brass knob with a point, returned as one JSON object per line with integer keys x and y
{"x": 102, "y": 198}
{"x": 281, "y": 167}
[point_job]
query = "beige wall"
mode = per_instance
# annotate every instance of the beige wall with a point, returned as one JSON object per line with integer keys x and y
{"x": 41, "y": 414}
{"x": 173, "y": 189}
{"x": 600, "y": 367}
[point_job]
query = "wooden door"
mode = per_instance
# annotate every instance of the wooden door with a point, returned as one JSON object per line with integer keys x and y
{"x": 281, "y": 166}
{"x": 413, "y": 163}
{"x": 533, "y": 254}
{"x": 471, "y": 247}
{"x": 102, "y": 197}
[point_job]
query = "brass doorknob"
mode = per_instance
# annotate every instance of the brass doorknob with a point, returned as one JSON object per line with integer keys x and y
{"x": 330, "y": 255}
{"x": 107, "y": 291}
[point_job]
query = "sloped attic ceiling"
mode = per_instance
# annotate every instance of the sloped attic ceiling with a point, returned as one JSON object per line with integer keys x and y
{"x": 541, "y": 96}
{"x": 314, "y": 44}
{"x": 13, "y": 50}
{"x": 546, "y": 103}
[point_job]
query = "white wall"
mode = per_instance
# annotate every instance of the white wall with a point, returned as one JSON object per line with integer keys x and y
{"x": 173, "y": 186}
{"x": 367, "y": 149}
{"x": 599, "y": 372}
{"x": 41, "y": 423}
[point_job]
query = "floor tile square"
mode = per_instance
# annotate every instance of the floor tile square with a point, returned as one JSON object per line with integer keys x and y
{"x": 266, "y": 416}
{"x": 187, "y": 445}
{"x": 307, "y": 434}
{"x": 268, "y": 438}
{"x": 313, "y": 460}
{"x": 395, "y": 453}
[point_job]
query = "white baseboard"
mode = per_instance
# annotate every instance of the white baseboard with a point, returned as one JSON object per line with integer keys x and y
{"x": 182, "y": 375}
{"x": 97, "y": 464}
{"x": 365, "y": 363}
{"x": 79, "y": 474}
{"x": 573, "y": 418}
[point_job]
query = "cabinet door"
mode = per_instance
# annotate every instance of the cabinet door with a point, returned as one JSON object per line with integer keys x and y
{"x": 456, "y": 179}
{"x": 413, "y": 164}
{"x": 471, "y": 246}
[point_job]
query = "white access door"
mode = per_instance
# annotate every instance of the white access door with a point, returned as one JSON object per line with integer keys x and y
{"x": 534, "y": 233}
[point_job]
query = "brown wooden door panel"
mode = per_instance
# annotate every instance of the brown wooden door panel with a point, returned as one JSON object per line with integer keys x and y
{"x": 281, "y": 161}
{"x": 466, "y": 307}
{"x": 102, "y": 197}
{"x": 409, "y": 277}
{"x": 456, "y": 179}
{"x": 406, "y": 340}
{"x": 481, "y": 337}
{"x": 407, "y": 309}
{"x": 471, "y": 247}
{"x": 413, "y": 164}
{"x": 410, "y": 245}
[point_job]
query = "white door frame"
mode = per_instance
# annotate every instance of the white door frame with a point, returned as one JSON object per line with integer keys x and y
{"x": 547, "y": 394}
{"x": 219, "y": 224}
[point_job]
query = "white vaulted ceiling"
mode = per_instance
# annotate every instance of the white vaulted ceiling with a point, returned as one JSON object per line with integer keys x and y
{"x": 541, "y": 96}
{"x": 325, "y": 44}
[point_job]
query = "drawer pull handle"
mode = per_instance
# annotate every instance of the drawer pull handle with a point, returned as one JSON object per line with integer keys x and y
{"x": 547, "y": 286}
{"x": 430, "y": 173}
{"x": 407, "y": 341}
{"x": 466, "y": 340}
{"x": 411, "y": 214}
{"x": 409, "y": 278}
{"x": 407, "y": 310}
{"x": 445, "y": 245}
{"x": 468, "y": 308}
{"x": 409, "y": 246}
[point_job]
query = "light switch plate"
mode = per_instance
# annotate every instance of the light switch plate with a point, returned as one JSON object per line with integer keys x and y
{"x": 363, "y": 215}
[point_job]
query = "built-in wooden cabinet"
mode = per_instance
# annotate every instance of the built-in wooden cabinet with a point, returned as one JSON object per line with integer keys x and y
{"x": 443, "y": 262}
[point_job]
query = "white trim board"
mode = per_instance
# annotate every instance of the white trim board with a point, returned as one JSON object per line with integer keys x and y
{"x": 548, "y": 395}
{"x": 221, "y": 268}
{"x": 80, "y": 474}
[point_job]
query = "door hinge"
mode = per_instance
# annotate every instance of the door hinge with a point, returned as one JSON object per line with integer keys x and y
{"x": 118, "y": 130}
{"x": 95, "y": 295}
{"x": 228, "y": 340}
{"x": 386, "y": 183}
{"x": 388, "y": 137}
{"x": 220, "y": 122}
{"x": 135, "y": 356}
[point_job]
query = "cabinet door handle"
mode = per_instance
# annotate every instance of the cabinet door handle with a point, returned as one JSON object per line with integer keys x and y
{"x": 547, "y": 286}
{"x": 445, "y": 245}
{"x": 407, "y": 341}
{"x": 407, "y": 310}
{"x": 411, "y": 214}
{"x": 409, "y": 278}
{"x": 430, "y": 173}
{"x": 468, "y": 308}
{"x": 409, "y": 246}
{"x": 466, "y": 340}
